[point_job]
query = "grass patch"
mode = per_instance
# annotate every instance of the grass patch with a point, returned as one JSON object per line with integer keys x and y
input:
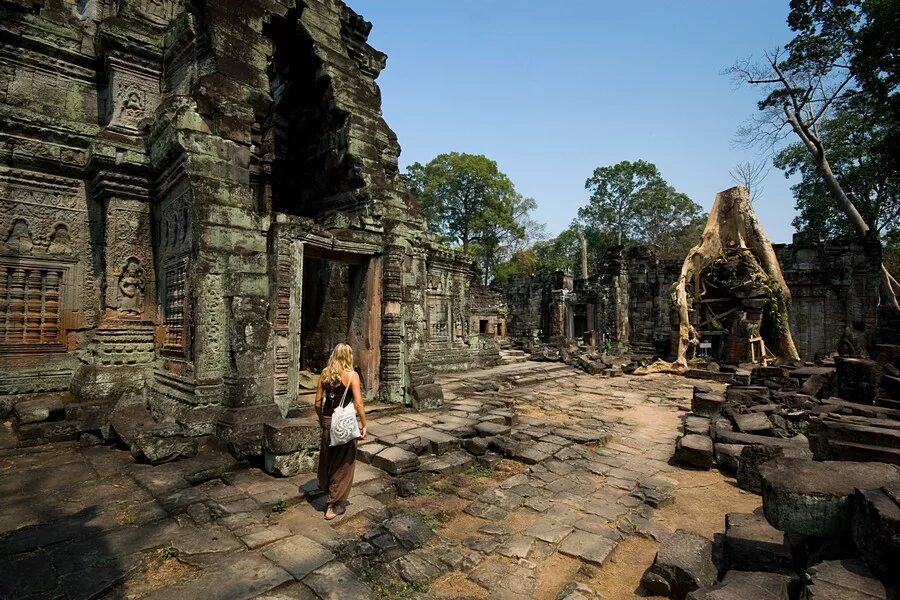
{"x": 396, "y": 589}
{"x": 425, "y": 490}
{"x": 279, "y": 507}
{"x": 169, "y": 552}
{"x": 482, "y": 471}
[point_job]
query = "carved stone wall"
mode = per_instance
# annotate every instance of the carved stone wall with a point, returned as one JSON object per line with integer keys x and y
{"x": 165, "y": 193}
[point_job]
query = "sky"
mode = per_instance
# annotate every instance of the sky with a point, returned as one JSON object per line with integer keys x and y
{"x": 552, "y": 90}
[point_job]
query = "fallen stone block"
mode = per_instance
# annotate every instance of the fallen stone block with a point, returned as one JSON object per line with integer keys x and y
{"x": 876, "y": 528}
{"x": 286, "y": 436}
{"x": 694, "y": 451}
{"x": 857, "y": 379}
{"x": 753, "y": 455}
{"x": 847, "y": 579}
{"x": 707, "y": 404}
{"x": 747, "y": 395}
{"x": 682, "y": 564}
{"x": 396, "y": 461}
{"x": 727, "y": 457}
{"x": 745, "y": 585}
{"x": 756, "y": 423}
{"x": 751, "y": 544}
{"x": 815, "y": 498}
{"x": 157, "y": 447}
{"x": 427, "y": 396}
{"x": 695, "y": 425}
{"x": 44, "y": 408}
{"x": 291, "y": 464}
{"x": 476, "y": 446}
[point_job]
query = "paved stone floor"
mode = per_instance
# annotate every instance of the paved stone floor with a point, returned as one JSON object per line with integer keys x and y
{"x": 533, "y": 462}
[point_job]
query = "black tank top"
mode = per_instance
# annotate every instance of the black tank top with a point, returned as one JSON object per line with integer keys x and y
{"x": 331, "y": 396}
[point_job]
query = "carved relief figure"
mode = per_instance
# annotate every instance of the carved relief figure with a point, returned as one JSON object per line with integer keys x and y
{"x": 134, "y": 102}
{"x": 131, "y": 287}
{"x": 19, "y": 238}
{"x": 60, "y": 241}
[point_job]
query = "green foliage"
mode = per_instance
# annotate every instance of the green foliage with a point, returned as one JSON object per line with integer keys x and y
{"x": 854, "y": 136}
{"x": 169, "y": 552}
{"x": 425, "y": 490}
{"x": 279, "y": 507}
{"x": 470, "y": 203}
{"x": 479, "y": 470}
{"x": 631, "y": 203}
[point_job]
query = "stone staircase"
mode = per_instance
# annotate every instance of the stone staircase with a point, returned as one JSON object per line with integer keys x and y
{"x": 511, "y": 356}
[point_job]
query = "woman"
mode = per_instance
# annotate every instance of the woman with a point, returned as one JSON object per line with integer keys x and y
{"x": 338, "y": 381}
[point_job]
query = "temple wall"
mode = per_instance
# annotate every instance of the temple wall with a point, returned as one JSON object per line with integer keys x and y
{"x": 834, "y": 287}
{"x": 163, "y": 190}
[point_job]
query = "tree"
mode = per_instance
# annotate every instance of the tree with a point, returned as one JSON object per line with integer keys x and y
{"x": 468, "y": 201}
{"x": 751, "y": 174}
{"x": 631, "y": 202}
{"x": 615, "y": 196}
{"x": 670, "y": 222}
{"x": 810, "y": 79}
{"x": 854, "y": 137}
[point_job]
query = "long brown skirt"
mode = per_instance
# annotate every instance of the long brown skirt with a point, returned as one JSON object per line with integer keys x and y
{"x": 336, "y": 465}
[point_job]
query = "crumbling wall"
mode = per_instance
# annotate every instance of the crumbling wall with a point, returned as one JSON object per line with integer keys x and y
{"x": 834, "y": 287}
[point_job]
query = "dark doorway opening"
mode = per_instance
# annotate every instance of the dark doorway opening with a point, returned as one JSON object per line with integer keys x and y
{"x": 341, "y": 303}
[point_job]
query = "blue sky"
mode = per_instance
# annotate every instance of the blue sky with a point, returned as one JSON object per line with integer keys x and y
{"x": 551, "y": 90}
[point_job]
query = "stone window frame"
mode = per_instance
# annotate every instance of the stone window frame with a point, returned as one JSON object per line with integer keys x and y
{"x": 182, "y": 326}
{"x": 68, "y": 267}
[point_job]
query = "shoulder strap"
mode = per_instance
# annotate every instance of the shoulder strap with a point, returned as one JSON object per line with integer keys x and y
{"x": 347, "y": 388}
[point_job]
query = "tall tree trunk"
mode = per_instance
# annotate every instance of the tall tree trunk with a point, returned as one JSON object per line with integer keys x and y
{"x": 846, "y": 206}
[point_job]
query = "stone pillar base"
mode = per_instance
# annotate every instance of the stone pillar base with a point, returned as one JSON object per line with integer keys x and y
{"x": 125, "y": 343}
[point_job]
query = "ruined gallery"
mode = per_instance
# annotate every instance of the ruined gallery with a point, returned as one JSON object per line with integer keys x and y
{"x": 199, "y": 199}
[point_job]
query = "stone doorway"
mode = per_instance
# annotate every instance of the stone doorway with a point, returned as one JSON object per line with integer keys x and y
{"x": 341, "y": 302}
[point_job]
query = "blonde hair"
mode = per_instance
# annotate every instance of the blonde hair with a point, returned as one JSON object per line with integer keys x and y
{"x": 341, "y": 360}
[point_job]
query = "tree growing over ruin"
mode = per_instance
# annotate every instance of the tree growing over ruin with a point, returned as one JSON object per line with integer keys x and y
{"x": 468, "y": 201}
{"x": 751, "y": 174}
{"x": 631, "y": 202}
{"x": 836, "y": 61}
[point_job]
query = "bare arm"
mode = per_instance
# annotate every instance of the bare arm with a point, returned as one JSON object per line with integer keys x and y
{"x": 358, "y": 402}
{"x": 318, "y": 403}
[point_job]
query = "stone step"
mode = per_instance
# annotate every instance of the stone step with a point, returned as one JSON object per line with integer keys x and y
{"x": 41, "y": 407}
{"x": 852, "y": 451}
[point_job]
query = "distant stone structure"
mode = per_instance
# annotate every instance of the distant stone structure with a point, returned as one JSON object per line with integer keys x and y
{"x": 199, "y": 199}
{"x": 626, "y": 303}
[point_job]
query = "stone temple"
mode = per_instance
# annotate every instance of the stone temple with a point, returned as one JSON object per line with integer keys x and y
{"x": 199, "y": 199}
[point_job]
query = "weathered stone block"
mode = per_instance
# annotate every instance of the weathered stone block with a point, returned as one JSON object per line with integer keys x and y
{"x": 745, "y": 585}
{"x": 844, "y": 580}
{"x": 727, "y": 457}
{"x": 876, "y": 528}
{"x": 751, "y": 544}
{"x": 291, "y": 435}
{"x": 857, "y": 379}
{"x": 682, "y": 564}
{"x": 427, "y": 396}
{"x": 815, "y": 498}
{"x": 290, "y": 464}
{"x": 754, "y": 455}
{"x": 396, "y": 461}
{"x": 694, "y": 451}
{"x": 756, "y": 423}
{"x": 707, "y": 404}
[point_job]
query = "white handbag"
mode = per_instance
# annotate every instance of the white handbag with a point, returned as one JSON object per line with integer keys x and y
{"x": 344, "y": 426}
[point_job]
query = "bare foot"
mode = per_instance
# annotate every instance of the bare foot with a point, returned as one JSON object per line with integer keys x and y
{"x": 329, "y": 513}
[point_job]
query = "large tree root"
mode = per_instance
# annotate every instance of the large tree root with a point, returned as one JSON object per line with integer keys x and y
{"x": 732, "y": 225}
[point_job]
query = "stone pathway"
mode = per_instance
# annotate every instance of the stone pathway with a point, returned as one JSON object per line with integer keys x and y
{"x": 524, "y": 463}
